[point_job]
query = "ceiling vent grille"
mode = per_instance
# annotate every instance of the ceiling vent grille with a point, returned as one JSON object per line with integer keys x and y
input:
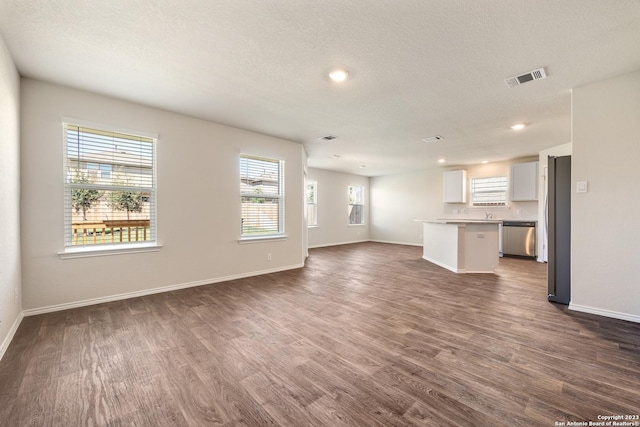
{"x": 435, "y": 138}
{"x": 328, "y": 138}
{"x": 526, "y": 77}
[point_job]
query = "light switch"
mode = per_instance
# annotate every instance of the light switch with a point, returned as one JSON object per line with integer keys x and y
{"x": 582, "y": 187}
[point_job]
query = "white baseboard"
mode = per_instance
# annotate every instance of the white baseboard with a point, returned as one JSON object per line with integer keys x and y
{"x": 110, "y": 298}
{"x": 338, "y": 244}
{"x": 605, "y": 313}
{"x": 397, "y": 243}
{"x": 443, "y": 265}
{"x": 363, "y": 241}
{"x": 12, "y": 332}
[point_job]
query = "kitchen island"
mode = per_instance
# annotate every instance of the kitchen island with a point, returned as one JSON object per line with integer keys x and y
{"x": 462, "y": 246}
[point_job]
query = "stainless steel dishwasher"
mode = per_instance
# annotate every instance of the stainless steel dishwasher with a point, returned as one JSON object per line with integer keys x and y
{"x": 519, "y": 238}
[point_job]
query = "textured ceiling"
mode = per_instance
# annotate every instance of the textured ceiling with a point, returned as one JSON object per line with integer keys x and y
{"x": 417, "y": 68}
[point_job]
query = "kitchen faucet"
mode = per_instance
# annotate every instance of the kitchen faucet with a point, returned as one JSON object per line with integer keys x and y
{"x": 488, "y": 215}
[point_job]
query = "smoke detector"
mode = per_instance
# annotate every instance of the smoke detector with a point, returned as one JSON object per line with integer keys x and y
{"x": 434, "y": 138}
{"x": 526, "y": 77}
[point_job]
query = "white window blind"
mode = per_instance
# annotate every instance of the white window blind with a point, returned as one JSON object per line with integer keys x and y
{"x": 489, "y": 191}
{"x": 356, "y": 204}
{"x": 110, "y": 188}
{"x": 312, "y": 203}
{"x": 262, "y": 194}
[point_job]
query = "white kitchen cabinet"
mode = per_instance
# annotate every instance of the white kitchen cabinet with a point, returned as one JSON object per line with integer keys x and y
{"x": 455, "y": 186}
{"x": 524, "y": 182}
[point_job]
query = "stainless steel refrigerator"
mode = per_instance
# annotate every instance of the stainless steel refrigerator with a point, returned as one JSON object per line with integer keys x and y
{"x": 559, "y": 229}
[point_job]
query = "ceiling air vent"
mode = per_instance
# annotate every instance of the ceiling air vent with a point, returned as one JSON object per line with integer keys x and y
{"x": 527, "y": 77}
{"x": 433, "y": 139}
{"x": 328, "y": 138}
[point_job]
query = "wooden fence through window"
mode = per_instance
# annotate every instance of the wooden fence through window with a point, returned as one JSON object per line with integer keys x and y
{"x": 98, "y": 231}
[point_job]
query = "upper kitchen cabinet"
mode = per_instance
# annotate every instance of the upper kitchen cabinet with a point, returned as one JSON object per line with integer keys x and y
{"x": 455, "y": 186}
{"x": 524, "y": 182}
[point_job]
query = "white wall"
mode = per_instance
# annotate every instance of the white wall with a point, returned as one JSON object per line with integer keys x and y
{"x": 398, "y": 200}
{"x": 198, "y": 201}
{"x": 305, "y": 234}
{"x": 10, "y": 275}
{"x": 605, "y": 233}
{"x": 333, "y": 209}
{"x": 560, "y": 150}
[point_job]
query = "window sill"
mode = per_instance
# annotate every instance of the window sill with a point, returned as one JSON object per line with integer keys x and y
{"x": 357, "y": 225}
{"x": 258, "y": 239}
{"x": 312, "y": 226}
{"x": 107, "y": 250}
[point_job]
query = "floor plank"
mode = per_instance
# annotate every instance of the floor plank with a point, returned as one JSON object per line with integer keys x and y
{"x": 365, "y": 334}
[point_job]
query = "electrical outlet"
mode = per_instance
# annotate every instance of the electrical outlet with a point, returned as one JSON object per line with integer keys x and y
{"x": 268, "y": 256}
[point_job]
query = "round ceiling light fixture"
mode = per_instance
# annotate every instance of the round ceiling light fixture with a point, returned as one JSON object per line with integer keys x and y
{"x": 518, "y": 126}
{"x": 338, "y": 75}
{"x": 441, "y": 160}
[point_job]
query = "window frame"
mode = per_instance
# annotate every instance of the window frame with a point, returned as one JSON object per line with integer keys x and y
{"x": 279, "y": 197}
{"x": 85, "y": 249}
{"x": 311, "y": 204}
{"x": 352, "y": 205}
{"x": 502, "y": 190}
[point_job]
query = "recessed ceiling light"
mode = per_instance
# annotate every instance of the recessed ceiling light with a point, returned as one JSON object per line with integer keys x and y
{"x": 335, "y": 156}
{"x": 338, "y": 75}
{"x": 363, "y": 166}
{"x": 518, "y": 126}
{"x": 441, "y": 160}
{"x": 484, "y": 162}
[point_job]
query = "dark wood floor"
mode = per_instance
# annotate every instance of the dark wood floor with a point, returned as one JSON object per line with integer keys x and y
{"x": 365, "y": 335}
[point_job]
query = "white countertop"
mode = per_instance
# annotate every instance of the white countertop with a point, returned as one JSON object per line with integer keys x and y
{"x": 461, "y": 221}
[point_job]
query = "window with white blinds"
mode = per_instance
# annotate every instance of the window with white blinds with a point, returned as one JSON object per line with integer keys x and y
{"x": 356, "y": 205}
{"x": 489, "y": 191}
{"x": 262, "y": 194}
{"x": 312, "y": 203}
{"x": 110, "y": 187}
